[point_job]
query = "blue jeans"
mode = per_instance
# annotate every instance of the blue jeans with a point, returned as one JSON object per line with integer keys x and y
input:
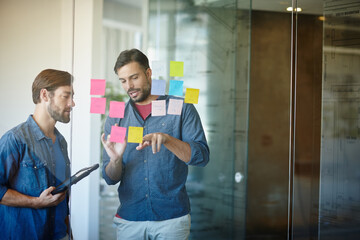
{"x": 172, "y": 229}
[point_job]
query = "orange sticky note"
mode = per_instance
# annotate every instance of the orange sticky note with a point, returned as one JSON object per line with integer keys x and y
{"x": 116, "y": 109}
{"x": 192, "y": 95}
{"x": 117, "y": 134}
{"x": 176, "y": 69}
{"x": 97, "y": 87}
{"x": 135, "y": 134}
{"x": 98, "y": 105}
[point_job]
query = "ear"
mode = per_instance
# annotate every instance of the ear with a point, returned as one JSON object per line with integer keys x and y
{"x": 148, "y": 73}
{"x": 44, "y": 95}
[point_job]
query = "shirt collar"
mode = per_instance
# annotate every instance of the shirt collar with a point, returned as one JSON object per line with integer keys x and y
{"x": 36, "y": 129}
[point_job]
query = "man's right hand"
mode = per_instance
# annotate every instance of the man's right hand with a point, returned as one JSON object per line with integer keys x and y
{"x": 114, "y": 150}
{"x": 14, "y": 198}
{"x": 47, "y": 199}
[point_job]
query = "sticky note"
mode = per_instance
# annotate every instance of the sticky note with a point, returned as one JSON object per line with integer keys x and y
{"x": 97, "y": 87}
{"x": 158, "y": 69}
{"x": 98, "y": 105}
{"x": 191, "y": 95}
{"x": 158, "y": 87}
{"x": 117, "y": 134}
{"x": 116, "y": 109}
{"x": 158, "y": 108}
{"x": 175, "y": 106}
{"x": 135, "y": 134}
{"x": 176, "y": 69}
{"x": 176, "y": 88}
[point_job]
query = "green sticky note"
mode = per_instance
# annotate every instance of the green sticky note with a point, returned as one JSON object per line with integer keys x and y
{"x": 135, "y": 134}
{"x": 176, "y": 69}
{"x": 191, "y": 95}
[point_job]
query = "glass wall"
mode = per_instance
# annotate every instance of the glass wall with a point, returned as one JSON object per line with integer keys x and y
{"x": 325, "y": 194}
{"x": 212, "y": 39}
{"x": 339, "y": 205}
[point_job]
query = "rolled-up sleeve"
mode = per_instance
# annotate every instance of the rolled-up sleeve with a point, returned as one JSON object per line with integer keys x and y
{"x": 193, "y": 133}
{"x": 9, "y": 155}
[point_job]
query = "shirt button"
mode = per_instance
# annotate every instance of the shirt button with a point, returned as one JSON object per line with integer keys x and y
{"x": 146, "y": 179}
{"x": 146, "y": 195}
{"x": 144, "y": 161}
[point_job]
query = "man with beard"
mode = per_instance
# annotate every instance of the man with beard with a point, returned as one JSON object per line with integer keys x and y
{"x": 33, "y": 160}
{"x": 153, "y": 200}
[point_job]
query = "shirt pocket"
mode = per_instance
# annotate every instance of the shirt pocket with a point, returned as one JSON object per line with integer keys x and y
{"x": 164, "y": 125}
{"x": 32, "y": 177}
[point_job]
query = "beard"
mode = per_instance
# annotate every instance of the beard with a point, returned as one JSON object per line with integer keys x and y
{"x": 57, "y": 114}
{"x": 144, "y": 93}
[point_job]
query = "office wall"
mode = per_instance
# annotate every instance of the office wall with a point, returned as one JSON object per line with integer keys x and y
{"x": 32, "y": 39}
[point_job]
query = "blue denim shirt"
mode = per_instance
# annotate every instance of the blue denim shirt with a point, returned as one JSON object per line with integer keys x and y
{"x": 152, "y": 186}
{"x": 28, "y": 166}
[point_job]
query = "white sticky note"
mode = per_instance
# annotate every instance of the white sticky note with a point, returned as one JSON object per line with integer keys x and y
{"x": 158, "y": 108}
{"x": 175, "y": 106}
{"x": 158, "y": 69}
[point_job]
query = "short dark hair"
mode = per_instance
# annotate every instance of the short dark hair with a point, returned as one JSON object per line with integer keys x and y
{"x": 49, "y": 79}
{"x": 132, "y": 55}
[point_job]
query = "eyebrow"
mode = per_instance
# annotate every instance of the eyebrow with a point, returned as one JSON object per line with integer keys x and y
{"x": 131, "y": 76}
{"x": 69, "y": 92}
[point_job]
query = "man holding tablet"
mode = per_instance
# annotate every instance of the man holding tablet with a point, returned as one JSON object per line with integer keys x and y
{"x": 33, "y": 160}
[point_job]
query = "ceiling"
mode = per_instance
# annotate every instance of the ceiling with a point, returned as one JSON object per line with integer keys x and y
{"x": 308, "y": 6}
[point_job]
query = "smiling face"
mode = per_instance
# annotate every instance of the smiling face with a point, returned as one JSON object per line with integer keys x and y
{"x": 136, "y": 81}
{"x": 61, "y": 103}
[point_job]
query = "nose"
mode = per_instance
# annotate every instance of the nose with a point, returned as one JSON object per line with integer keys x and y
{"x": 129, "y": 84}
{"x": 71, "y": 102}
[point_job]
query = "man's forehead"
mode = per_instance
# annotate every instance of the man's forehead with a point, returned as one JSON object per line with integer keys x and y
{"x": 65, "y": 89}
{"x": 129, "y": 69}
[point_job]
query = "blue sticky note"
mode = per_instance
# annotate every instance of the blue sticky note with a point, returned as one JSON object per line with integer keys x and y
{"x": 176, "y": 87}
{"x": 158, "y": 87}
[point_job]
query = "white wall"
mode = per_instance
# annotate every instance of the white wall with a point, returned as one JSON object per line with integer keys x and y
{"x": 86, "y": 126}
{"x": 30, "y": 42}
{"x": 36, "y": 35}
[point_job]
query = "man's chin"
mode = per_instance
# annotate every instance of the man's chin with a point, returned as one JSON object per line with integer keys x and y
{"x": 64, "y": 120}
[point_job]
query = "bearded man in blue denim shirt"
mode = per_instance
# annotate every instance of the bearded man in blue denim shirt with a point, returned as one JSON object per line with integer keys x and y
{"x": 153, "y": 200}
{"x": 34, "y": 159}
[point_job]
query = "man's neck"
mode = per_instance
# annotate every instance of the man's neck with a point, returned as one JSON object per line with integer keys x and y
{"x": 44, "y": 121}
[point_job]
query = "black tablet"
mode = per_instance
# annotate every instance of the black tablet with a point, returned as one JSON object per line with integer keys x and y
{"x": 74, "y": 179}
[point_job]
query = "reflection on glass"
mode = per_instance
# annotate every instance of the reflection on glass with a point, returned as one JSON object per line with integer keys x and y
{"x": 339, "y": 207}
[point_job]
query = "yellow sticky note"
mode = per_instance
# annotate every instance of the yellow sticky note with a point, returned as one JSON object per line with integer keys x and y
{"x": 176, "y": 69}
{"x": 135, "y": 134}
{"x": 191, "y": 95}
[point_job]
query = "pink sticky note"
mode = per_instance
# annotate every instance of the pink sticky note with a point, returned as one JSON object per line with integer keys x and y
{"x": 98, "y": 105}
{"x": 117, "y": 134}
{"x": 116, "y": 109}
{"x": 158, "y": 108}
{"x": 175, "y": 106}
{"x": 97, "y": 87}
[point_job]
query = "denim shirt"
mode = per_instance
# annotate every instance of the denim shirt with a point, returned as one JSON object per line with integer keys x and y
{"x": 28, "y": 166}
{"x": 152, "y": 186}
